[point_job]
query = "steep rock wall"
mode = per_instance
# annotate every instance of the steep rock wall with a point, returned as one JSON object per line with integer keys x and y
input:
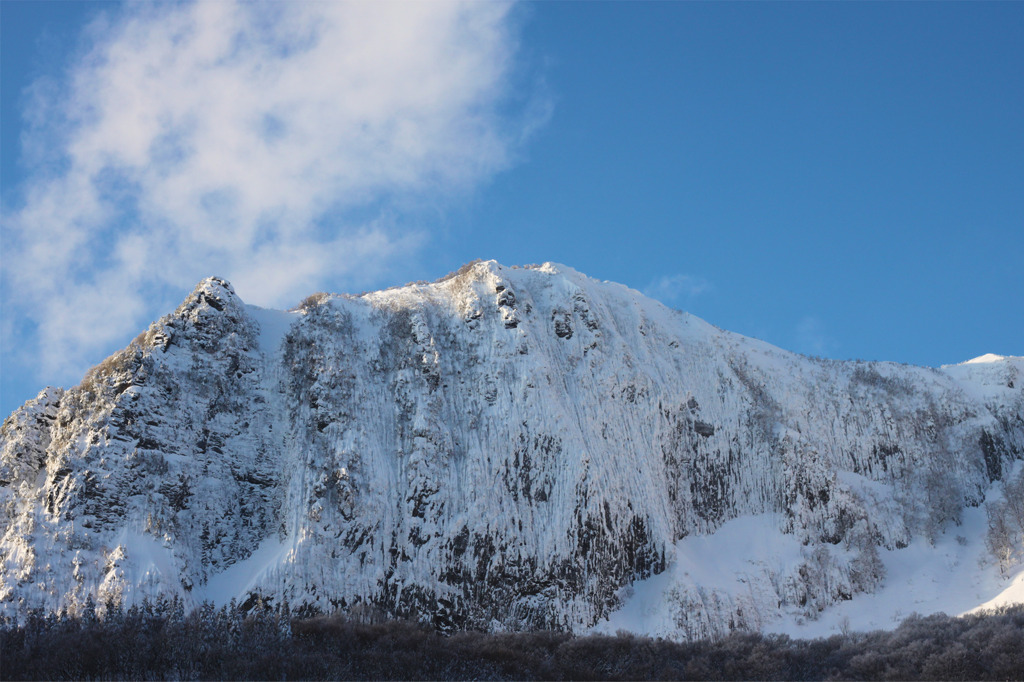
{"x": 502, "y": 448}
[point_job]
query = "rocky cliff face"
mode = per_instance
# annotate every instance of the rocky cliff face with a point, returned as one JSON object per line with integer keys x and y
{"x": 506, "y": 447}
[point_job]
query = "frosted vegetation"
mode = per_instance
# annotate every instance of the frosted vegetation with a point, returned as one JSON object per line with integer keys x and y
{"x": 511, "y": 449}
{"x": 159, "y": 641}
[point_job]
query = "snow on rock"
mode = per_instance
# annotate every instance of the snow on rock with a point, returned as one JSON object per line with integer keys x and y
{"x": 987, "y": 357}
{"x": 741, "y": 571}
{"x": 505, "y": 447}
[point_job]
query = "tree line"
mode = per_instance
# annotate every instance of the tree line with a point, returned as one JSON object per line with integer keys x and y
{"x": 160, "y": 641}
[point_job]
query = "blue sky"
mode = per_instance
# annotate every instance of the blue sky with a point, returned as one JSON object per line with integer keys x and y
{"x": 839, "y": 179}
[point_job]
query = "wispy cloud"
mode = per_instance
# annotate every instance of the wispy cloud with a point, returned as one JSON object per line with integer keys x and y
{"x": 677, "y": 289}
{"x": 812, "y": 339}
{"x": 278, "y": 144}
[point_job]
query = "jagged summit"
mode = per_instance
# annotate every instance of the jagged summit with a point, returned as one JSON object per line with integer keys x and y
{"x": 216, "y": 286}
{"x": 213, "y": 292}
{"x": 502, "y": 448}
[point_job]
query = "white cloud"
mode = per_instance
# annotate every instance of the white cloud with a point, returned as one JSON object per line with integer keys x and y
{"x": 677, "y": 289}
{"x": 259, "y": 142}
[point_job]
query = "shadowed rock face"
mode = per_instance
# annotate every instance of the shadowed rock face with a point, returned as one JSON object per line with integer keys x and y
{"x": 502, "y": 448}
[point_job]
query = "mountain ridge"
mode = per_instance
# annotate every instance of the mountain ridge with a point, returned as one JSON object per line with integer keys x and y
{"x": 501, "y": 448}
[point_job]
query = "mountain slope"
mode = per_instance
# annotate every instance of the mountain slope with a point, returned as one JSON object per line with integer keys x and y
{"x": 503, "y": 448}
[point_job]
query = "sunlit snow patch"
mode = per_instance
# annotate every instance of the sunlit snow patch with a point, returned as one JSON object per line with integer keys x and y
{"x": 987, "y": 357}
{"x": 735, "y": 566}
{"x": 747, "y": 556}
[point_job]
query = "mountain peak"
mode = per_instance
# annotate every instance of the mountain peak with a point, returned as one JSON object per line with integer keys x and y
{"x": 213, "y": 293}
{"x": 214, "y": 288}
{"x": 987, "y": 357}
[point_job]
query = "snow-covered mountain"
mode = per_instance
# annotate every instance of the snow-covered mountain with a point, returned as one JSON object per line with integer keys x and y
{"x": 504, "y": 448}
